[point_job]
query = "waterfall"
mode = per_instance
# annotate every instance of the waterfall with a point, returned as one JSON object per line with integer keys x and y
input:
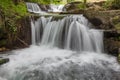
{"x": 63, "y": 49}
{"x": 75, "y": 36}
{"x": 35, "y": 8}
{"x": 56, "y": 8}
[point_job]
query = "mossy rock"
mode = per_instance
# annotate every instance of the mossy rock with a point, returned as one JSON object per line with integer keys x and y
{"x": 116, "y": 20}
{"x": 117, "y": 26}
{"x": 4, "y": 60}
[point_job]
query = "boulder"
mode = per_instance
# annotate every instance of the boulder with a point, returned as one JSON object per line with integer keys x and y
{"x": 72, "y": 6}
{"x": 44, "y": 7}
{"x": 102, "y": 19}
{"x": 112, "y": 46}
{"x": 4, "y": 60}
{"x": 112, "y": 42}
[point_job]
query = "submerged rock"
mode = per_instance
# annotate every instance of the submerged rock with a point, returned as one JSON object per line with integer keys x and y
{"x": 4, "y": 60}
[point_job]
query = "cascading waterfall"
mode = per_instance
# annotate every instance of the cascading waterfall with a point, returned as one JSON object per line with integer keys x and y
{"x": 56, "y": 8}
{"x": 63, "y": 49}
{"x": 71, "y": 32}
{"x": 35, "y": 8}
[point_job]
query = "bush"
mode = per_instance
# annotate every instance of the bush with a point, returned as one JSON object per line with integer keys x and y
{"x": 116, "y": 4}
{"x": 112, "y": 4}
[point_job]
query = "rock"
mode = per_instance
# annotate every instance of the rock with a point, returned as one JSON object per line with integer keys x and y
{"x": 111, "y": 34}
{"x": 95, "y": 8}
{"x": 101, "y": 19}
{"x": 112, "y": 46}
{"x": 4, "y": 60}
{"x": 3, "y": 49}
{"x": 115, "y": 21}
{"x": 72, "y": 6}
{"x": 100, "y": 3}
{"x": 44, "y": 7}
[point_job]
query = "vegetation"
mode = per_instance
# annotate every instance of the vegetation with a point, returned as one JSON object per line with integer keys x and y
{"x": 40, "y": 1}
{"x": 112, "y": 4}
{"x": 11, "y": 9}
{"x": 10, "y": 13}
{"x": 82, "y": 5}
{"x": 45, "y": 1}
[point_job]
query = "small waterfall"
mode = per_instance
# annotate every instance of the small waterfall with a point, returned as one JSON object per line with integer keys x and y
{"x": 75, "y": 36}
{"x": 63, "y": 49}
{"x": 33, "y": 7}
{"x": 56, "y": 8}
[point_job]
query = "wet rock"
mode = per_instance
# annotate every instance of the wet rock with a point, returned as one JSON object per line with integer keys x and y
{"x": 44, "y": 7}
{"x": 111, "y": 34}
{"x": 3, "y": 60}
{"x": 112, "y": 46}
{"x": 96, "y": 21}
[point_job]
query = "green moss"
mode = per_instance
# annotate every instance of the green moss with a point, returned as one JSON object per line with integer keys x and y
{"x": 81, "y": 6}
{"x": 116, "y": 22}
{"x": 112, "y": 4}
{"x": 116, "y": 19}
{"x": 3, "y": 61}
{"x": 40, "y": 1}
{"x": 117, "y": 26}
{"x": 10, "y": 9}
{"x": 11, "y": 13}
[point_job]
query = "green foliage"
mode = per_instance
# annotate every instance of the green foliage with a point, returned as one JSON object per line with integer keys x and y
{"x": 56, "y": 1}
{"x": 81, "y": 6}
{"x": 11, "y": 9}
{"x": 45, "y": 1}
{"x": 70, "y": 1}
{"x": 116, "y": 4}
{"x": 112, "y": 4}
{"x": 12, "y": 13}
{"x": 40, "y": 1}
{"x": 107, "y": 4}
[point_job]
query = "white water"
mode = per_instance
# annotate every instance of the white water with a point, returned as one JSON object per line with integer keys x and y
{"x": 66, "y": 49}
{"x": 35, "y": 8}
{"x": 56, "y": 8}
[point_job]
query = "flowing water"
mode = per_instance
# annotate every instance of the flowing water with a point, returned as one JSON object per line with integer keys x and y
{"x": 63, "y": 49}
{"x": 35, "y": 8}
{"x": 56, "y": 8}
